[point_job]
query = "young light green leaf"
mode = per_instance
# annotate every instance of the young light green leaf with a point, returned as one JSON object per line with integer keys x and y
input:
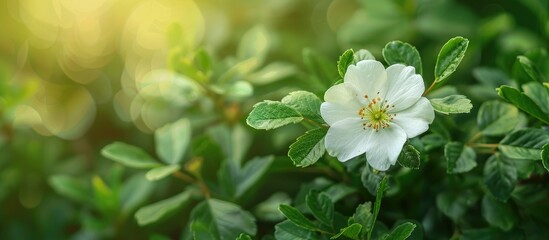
{"x": 498, "y": 214}
{"x": 158, "y": 173}
{"x": 401, "y": 232}
{"x": 268, "y": 210}
{"x": 308, "y": 148}
{"x": 452, "y": 104}
{"x": 450, "y": 57}
{"x": 524, "y": 143}
{"x": 70, "y": 187}
{"x": 270, "y": 115}
{"x": 288, "y": 230}
{"x": 363, "y": 54}
{"x": 134, "y": 192}
{"x": 409, "y": 157}
{"x": 523, "y": 102}
{"x": 297, "y": 217}
{"x": 496, "y": 118}
{"x": 251, "y": 173}
{"x": 400, "y": 52}
{"x": 459, "y": 158}
{"x": 377, "y": 205}
{"x": 172, "y": 141}
{"x": 128, "y": 155}
{"x": 538, "y": 94}
{"x": 305, "y": 103}
{"x": 344, "y": 61}
{"x": 370, "y": 180}
{"x": 500, "y": 176}
{"x": 155, "y": 212}
{"x": 321, "y": 207}
{"x": 254, "y": 44}
{"x": 224, "y": 220}
{"x": 363, "y": 216}
{"x": 545, "y": 156}
{"x": 352, "y": 231}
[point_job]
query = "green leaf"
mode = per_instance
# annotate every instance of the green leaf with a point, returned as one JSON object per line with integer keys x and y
{"x": 452, "y": 104}
{"x": 370, "y": 180}
{"x": 305, "y": 103}
{"x": 409, "y": 157}
{"x": 498, "y": 214}
{"x": 500, "y": 176}
{"x": 268, "y": 210}
{"x": 377, "y": 204}
{"x": 252, "y": 173}
{"x": 538, "y": 94}
{"x": 344, "y": 61}
{"x": 244, "y": 237}
{"x": 496, "y": 118}
{"x": 161, "y": 172}
{"x": 128, "y": 155}
{"x": 352, "y": 231}
{"x": 270, "y": 115}
{"x": 400, "y": 52}
{"x": 363, "y": 216}
{"x": 255, "y": 43}
{"x": 172, "y": 141}
{"x": 524, "y": 143}
{"x": 525, "y": 71}
{"x": 523, "y": 102}
{"x": 224, "y": 220}
{"x": 545, "y": 156}
{"x": 70, "y": 187}
{"x": 297, "y": 217}
{"x": 134, "y": 192}
{"x": 401, "y": 232}
{"x": 308, "y": 148}
{"x": 321, "y": 207}
{"x": 157, "y": 211}
{"x": 459, "y": 158}
{"x": 363, "y": 54}
{"x": 288, "y": 230}
{"x": 450, "y": 57}
{"x": 454, "y": 204}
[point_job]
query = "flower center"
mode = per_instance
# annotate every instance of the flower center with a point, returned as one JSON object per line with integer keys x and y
{"x": 376, "y": 114}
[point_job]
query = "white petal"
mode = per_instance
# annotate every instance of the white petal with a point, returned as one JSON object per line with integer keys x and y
{"x": 333, "y": 112}
{"x": 384, "y": 147}
{"x": 339, "y": 105}
{"x": 404, "y": 86}
{"x": 415, "y": 120}
{"x": 367, "y": 77}
{"x": 347, "y": 139}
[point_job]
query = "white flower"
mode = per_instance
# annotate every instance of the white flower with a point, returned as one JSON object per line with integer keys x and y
{"x": 374, "y": 111}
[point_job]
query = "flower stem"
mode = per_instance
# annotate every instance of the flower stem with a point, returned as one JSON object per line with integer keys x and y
{"x": 430, "y": 88}
{"x": 187, "y": 178}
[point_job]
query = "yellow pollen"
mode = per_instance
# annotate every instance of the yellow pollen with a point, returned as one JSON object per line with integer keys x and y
{"x": 375, "y": 114}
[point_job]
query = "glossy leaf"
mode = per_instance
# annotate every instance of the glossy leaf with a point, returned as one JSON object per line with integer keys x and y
{"x": 400, "y": 52}
{"x": 452, "y": 104}
{"x": 401, "y": 232}
{"x": 545, "y": 156}
{"x": 450, "y": 57}
{"x": 524, "y": 143}
{"x": 223, "y": 220}
{"x": 459, "y": 158}
{"x": 297, "y": 217}
{"x": 128, "y": 155}
{"x": 496, "y": 118}
{"x": 500, "y": 176}
{"x": 270, "y": 114}
{"x": 161, "y": 172}
{"x": 305, "y": 103}
{"x": 172, "y": 141}
{"x": 409, "y": 157}
{"x": 352, "y": 231}
{"x": 155, "y": 212}
{"x": 321, "y": 207}
{"x": 523, "y": 102}
{"x": 344, "y": 61}
{"x": 308, "y": 148}
{"x": 538, "y": 94}
{"x": 289, "y": 230}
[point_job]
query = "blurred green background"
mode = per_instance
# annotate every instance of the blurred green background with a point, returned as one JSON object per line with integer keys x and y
{"x": 77, "y": 75}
